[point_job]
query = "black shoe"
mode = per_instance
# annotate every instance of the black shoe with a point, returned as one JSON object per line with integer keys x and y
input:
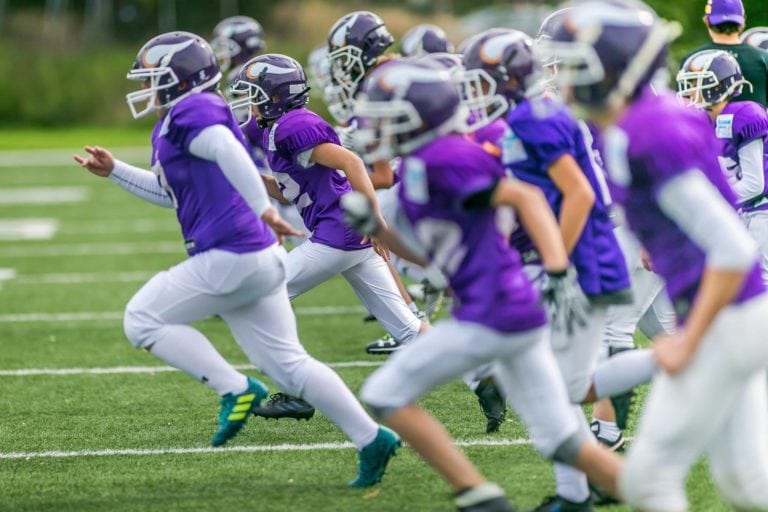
{"x": 487, "y": 497}
{"x": 614, "y": 446}
{"x": 492, "y": 404}
{"x": 369, "y": 318}
{"x": 281, "y": 405}
{"x": 384, "y": 345}
{"x": 622, "y": 404}
{"x": 558, "y": 504}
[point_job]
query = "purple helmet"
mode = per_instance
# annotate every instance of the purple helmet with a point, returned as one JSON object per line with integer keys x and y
{"x": 757, "y": 37}
{"x": 709, "y": 77}
{"x": 236, "y": 39}
{"x": 174, "y": 65}
{"x": 423, "y": 39}
{"x": 273, "y": 83}
{"x": 546, "y": 32}
{"x": 404, "y": 106}
{"x": 355, "y": 42}
{"x": 607, "y": 50}
{"x": 500, "y": 68}
{"x": 451, "y": 62}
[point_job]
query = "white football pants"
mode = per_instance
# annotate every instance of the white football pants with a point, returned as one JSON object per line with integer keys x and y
{"x": 523, "y": 366}
{"x": 248, "y": 292}
{"x": 757, "y": 225}
{"x": 717, "y": 406}
{"x": 311, "y": 264}
{"x": 389, "y": 205}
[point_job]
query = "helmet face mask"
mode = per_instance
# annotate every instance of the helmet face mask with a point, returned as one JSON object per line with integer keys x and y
{"x": 383, "y": 123}
{"x": 709, "y": 77}
{"x": 171, "y": 67}
{"x": 225, "y": 49}
{"x": 248, "y": 95}
{"x": 236, "y": 40}
{"x": 347, "y": 72}
{"x": 478, "y": 94}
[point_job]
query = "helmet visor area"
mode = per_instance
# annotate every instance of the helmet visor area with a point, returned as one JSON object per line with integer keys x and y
{"x": 155, "y": 80}
{"x": 225, "y": 50}
{"x": 477, "y": 91}
{"x": 247, "y": 95}
{"x": 383, "y": 126}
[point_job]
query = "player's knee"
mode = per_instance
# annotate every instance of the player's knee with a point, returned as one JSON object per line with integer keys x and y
{"x": 378, "y": 396}
{"x": 577, "y": 389}
{"x": 139, "y": 326}
{"x": 645, "y": 485}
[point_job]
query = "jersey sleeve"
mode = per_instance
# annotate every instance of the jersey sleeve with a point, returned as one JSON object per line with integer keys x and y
{"x": 749, "y": 123}
{"x": 300, "y": 133}
{"x": 548, "y": 139}
{"x": 193, "y": 115}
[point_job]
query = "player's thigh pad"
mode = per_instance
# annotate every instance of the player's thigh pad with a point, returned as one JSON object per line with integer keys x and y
{"x": 206, "y": 284}
{"x": 577, "y": 355}
{"x": 311, "y": 264}
{"x": 757, "y": 224}
{"x": 442, "y": 354}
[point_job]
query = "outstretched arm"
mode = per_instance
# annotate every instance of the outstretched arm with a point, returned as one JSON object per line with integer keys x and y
{"x": 139, "y": 182}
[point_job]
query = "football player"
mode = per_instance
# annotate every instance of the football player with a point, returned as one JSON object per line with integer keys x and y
{"x": 710, "y": 80}
{"x": 546, "y": 147}
{"x": 710, "y": 397}
{"x": 450, "y": 196}
{"x": 236, "y": 269}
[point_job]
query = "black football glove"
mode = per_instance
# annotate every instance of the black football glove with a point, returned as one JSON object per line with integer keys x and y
{"x": 566, "y": 304}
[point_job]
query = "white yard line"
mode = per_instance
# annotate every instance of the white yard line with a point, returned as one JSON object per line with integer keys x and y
{"x": 118, "y": 315}
{"x": 232, "y": 449}
{"x": 95, "y": 249}
{"x": 42, "y": 195}
{"x": 63, "y": 157}
{"x": 94, "y": 277}
{"x": 28, "y": 372}
{"x": 28, "y": 229}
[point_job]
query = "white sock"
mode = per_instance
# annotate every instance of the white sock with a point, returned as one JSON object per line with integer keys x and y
{"x": 413, "y": 307}
{"x": 325, "y": 390}
{"x": 608, "y": 430}
{"x": 624, "y": 371}
{"x": 188, "y": 350}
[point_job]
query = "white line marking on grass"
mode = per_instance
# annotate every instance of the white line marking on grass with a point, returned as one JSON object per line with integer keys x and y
{"x": 6, "y": 274}
{"x": 28, "y": 229}
{"x": 43, "y": 195}
{"x": 118, "y": 315}
{"x": 93, "y": 249}
{"x": 29, "y": 372}
{"x": 95, "y": 277}
{"x": 84, "y": 227}
{"x": 233, "y": 449}
{"x": 63, "y": 157}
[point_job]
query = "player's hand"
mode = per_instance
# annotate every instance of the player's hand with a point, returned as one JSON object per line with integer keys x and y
{"x": 99, "y": 161}
{"x": 279, "y": 225}
{"x": 566, "y": 304}
{"x": 359, "y": 214}
{"x": 347, "y": 135}
{"x": 672, "y": 352}
{"x": 379, "y": 247}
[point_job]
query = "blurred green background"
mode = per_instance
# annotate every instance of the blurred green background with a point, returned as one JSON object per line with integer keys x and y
{"x": 63, "y": 62}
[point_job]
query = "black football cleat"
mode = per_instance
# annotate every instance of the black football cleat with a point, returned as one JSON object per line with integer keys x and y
{"x": 383, "y": 346}
{"x": 492, "y": 404}
{"x": 281, "y": 405}
{"x": 558, "y": 504}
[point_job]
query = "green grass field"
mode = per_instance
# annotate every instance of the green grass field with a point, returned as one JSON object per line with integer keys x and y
{"x": 62, "y": 311}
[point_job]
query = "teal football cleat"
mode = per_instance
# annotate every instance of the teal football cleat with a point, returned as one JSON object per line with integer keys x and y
{"x": 374, "y": 458}
{"x": 235, "y": 410}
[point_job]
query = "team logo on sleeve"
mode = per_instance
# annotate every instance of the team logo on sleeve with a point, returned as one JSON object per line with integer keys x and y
{"x": 415, "y": 181}
{"x": 512, "y": 149}
{"x": 724, "y": 126}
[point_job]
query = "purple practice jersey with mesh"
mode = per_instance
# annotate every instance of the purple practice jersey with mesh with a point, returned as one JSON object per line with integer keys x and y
{"x": 656, "y": 140}
{"x": 541, "y": 131}
{"x": 469, "y": 245}
{"x": 315, "y": 189}
{"x": 212, "y": 214}
{"x": 737, "y": 125}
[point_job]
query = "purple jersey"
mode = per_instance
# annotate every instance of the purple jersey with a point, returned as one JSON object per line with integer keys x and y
{"x": 212, "y": 214}
{"x": 490, "y": 136}
{"x": 484, "y": 271}
{"x": 737, "y": 125}
{"x": 542, "y": 131}
{"x": 656, "y": 140}
{"x": 315, "y": 189}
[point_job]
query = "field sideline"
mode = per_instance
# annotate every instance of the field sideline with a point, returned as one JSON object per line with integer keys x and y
{"x": 90, "y": 424}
